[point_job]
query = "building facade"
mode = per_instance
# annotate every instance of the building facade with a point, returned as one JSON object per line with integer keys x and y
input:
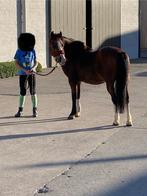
{"x": 99, "y": 23}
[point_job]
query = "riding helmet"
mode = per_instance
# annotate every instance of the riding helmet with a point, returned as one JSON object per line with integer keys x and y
{"x": 26, "y": 41}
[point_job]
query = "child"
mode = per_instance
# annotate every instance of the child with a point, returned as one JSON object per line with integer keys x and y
{"x": 25, "y": 60}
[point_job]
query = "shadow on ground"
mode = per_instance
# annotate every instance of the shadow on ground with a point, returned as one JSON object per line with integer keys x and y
{"x": 135, "y": 186}
{"x": 41, "y": 134}
{"x": 141, "y": 74}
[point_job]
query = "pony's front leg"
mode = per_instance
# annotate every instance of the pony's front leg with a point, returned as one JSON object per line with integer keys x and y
{"x": 78, "y": 105}
{"x": 75, "y": 92}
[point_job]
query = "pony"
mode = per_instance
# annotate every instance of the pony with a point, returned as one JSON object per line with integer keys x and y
{"x": 83, "y": 64}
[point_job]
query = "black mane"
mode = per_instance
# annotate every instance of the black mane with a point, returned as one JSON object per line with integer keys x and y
{"x": 77, "y": 51}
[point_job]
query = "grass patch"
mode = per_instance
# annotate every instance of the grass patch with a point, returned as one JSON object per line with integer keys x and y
{"x": 8, "y": 69}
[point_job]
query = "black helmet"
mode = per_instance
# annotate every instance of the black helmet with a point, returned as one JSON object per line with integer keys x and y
{"x": 26, "y": 41}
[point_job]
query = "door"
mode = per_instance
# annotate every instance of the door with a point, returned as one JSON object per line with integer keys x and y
{"x": 68, "y": 16}
{"x": 106, "y": 23}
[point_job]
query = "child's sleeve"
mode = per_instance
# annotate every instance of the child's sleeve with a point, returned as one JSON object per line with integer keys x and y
{"x": 34, "y": 55}
{"x": 16, "y": 56}
{"x": 35, "y": 62}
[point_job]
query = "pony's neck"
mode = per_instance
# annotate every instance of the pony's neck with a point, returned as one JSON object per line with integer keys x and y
{"x": 67, "y": 40}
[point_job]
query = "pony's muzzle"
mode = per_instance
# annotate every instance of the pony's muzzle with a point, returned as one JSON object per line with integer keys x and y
{"x": 60, "y": 59}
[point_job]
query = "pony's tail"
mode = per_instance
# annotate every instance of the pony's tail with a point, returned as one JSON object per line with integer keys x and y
{"x": 121, "y": 81}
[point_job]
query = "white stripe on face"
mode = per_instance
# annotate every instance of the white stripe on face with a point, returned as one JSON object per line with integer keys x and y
{"x": 60, "y": 59}
{"x": 63, "y": 59}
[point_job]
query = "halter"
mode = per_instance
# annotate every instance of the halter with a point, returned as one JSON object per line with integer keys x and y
{"x": 57, "y": 53}
{"x": 58, "y": 56}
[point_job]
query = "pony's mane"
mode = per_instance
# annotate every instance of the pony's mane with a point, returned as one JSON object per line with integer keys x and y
{"x": 77, "y": 51}
{"x": 67, "y": 38}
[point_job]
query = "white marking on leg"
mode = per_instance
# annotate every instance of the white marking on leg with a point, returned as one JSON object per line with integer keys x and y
{"x": 116, "y": 119}
{"x": 129, "y": 117}
{"x": 78, "y": 108}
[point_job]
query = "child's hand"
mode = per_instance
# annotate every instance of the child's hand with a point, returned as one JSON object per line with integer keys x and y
{"x": 28, "y": 72}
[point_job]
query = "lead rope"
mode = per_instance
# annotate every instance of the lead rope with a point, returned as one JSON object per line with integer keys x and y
{"x": 26, "y": 81}
{"x": 26, "y": 85}
{"x": 46, "y": 73}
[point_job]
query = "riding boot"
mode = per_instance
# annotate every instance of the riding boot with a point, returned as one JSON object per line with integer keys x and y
{"x": 34, "y": 104}
{"x": 35, "y": 113}
{"x": 21, "y": 105}
{"x": 20, "y": 112}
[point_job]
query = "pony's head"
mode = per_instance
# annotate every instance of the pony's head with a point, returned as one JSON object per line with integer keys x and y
{"x": 56, "y": 46}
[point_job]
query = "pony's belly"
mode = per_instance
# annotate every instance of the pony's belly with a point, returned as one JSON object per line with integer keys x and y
{"x": 93, "y": 80}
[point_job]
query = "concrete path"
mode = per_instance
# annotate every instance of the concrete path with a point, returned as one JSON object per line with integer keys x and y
{"x": 82, "y": 157}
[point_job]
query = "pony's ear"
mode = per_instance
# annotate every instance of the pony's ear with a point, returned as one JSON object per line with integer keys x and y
{"x": 52, "y": 34}
{"x": 60, "y": 34}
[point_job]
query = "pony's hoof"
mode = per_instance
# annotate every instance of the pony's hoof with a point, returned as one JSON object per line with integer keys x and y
{"x": 115, "y": 124}
{"x": 71, "y": 117}
{"x": 129, "y": 124}
{"x": 77, "y": 115}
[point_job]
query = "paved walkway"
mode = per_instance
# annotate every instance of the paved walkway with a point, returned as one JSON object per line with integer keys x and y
{"x": 82, "y": 157}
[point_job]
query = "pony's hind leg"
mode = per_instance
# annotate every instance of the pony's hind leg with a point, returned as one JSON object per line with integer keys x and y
{"x": 129, "y": 117}
{"x": 116, "y": 121}
{"x": 110, "y": 88}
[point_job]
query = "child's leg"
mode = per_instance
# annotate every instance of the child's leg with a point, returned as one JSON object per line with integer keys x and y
{"x": 22, "y": 86}
{"x": 34, "y": 100}
{"x": 32, "y": 85}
